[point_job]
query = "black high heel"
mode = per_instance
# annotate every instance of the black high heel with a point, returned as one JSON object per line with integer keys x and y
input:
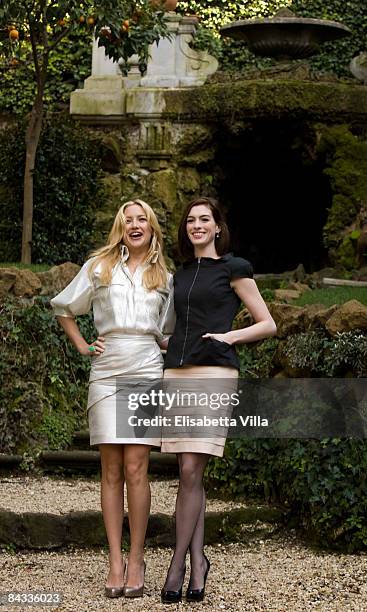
{"x": 168, "y": 596}
{"x": 198, "y": 594}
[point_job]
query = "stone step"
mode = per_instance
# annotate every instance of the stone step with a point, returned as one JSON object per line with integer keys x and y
{"x": 80, "y": 440}
{"x": 8, "y": 462}
{"x": 81, "y": 461}
{"x": 88, "y": 460}
{"x": 32, "y": 530}
{"x": 41, "y": 511}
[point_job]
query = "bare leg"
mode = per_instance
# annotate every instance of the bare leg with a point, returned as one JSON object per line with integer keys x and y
{"x": 136, "y": 461}
{"x": 189, "y": 507}
{"x": 112, "y": 501}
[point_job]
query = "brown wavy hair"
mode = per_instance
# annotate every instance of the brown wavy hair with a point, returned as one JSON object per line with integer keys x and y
{"x": 185, "y": 246}
{"x": 156, "y": 274}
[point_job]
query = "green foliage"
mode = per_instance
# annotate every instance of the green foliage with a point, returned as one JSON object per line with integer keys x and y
{"x": 234, "y": 55}
{"x": 70, "y": 61}
{"x": 63, "y": 39}
{"x": 257, "y": 359}
{"x": 20, "y": 266}
{"x": 205, "y": 40}
{"x": 323, "y": 483}
{"x": 124, "y": 29}
{"x": 326, "y": 356}
{"x": 67, "y": 187}
{"x": 332, "y": 295}
{"x": 44, "y": 379}
{"x": 346, "y": 166}
{"x": 267, "y": 294}
{"x": 69, "y": 66}
{"x": 335, "y": 57}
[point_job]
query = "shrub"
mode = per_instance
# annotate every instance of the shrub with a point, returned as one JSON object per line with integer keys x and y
{"x": 323, "y": 483}
{"x": 44, "y": 379}
{"x": 67, "y": 186}
{"x": 326, "y": 356}
{"x": 69, "y": 66}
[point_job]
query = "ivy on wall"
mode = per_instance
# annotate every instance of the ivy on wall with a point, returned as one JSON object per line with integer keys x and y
{"x": 71, "y": 63}
{"x": 234, "y": 55}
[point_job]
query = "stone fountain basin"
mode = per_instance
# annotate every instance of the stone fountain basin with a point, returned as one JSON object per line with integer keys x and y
{"x": 293, "y": 37}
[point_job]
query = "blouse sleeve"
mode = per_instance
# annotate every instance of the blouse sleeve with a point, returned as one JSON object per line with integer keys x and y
{"x": 241, "y": 268}
{"x": 167, "y": 319}
{"x": 76, "y": 298}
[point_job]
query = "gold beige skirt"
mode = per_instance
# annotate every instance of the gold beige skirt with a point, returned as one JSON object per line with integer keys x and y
{"x": 126, "y": 358}
{"x": 227, "y": 381}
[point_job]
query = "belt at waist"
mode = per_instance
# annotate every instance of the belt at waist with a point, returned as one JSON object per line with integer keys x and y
{"x": 129, "y": 336}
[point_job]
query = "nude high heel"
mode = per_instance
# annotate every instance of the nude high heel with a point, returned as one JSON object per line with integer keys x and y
{"x": 135, "y": 591}
{"x": 113, "y": 592}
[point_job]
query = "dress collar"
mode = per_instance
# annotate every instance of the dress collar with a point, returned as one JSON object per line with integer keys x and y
{"x": 125, "y": 255}
{"x": 210, "y": 261}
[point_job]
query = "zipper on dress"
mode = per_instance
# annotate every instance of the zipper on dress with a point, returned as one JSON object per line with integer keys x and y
{"x": 188, "y": 312}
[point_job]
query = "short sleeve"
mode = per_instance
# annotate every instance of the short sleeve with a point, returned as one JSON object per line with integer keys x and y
{"x": 167, "y": 319}
{"x": 76, "y": 298}
{"x": 240, "y": 268}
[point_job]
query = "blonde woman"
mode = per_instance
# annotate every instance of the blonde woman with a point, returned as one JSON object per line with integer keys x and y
{"x": 128, "y": 285}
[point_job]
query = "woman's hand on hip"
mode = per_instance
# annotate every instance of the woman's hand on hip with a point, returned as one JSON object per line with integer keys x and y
{"x": 219, "y": 337}
{"x": 93, "y": 350}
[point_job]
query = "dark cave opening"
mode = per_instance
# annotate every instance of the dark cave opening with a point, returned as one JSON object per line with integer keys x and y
{"x": 276, "y": 196}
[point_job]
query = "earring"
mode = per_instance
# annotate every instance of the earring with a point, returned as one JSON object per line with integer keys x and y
{"x": 217, "y": 235}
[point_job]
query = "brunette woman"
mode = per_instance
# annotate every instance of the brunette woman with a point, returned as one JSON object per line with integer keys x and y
{"x": 208, "y": 290}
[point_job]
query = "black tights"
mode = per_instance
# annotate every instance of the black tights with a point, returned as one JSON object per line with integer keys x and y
{"x": 190, "y": 514}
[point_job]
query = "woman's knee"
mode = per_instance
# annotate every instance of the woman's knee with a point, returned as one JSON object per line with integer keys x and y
{"x": 112, "y": 474}
{"x": 112, "y": 466}
{"x": 191, "y": 473}
{"x": 135, "y": 471}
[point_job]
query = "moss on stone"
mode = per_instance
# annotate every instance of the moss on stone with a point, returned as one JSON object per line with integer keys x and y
{"x": 188, "y": 180}
{"x": 163, "y": 186}
{"x": 269, "y": 98}
{"x": 346, "y": 167}
{"x": 346, "y": 253}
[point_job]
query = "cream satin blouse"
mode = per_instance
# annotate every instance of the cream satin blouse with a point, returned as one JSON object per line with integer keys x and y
{"x": 124, "y": 306}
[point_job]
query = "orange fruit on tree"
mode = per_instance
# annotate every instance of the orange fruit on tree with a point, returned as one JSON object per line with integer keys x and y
{"x": 81, "y": 19}
{"x": 90, "y": 21}
{"x": 14, "y": 61}
{"x": 14, "y": 34}
{"x": 61, "y": 22}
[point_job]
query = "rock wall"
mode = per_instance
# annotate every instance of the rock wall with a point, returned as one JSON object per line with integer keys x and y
{"x": 165, "y": 148}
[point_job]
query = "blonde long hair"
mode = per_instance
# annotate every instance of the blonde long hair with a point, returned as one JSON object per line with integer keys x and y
{"x": 108, "y": 256}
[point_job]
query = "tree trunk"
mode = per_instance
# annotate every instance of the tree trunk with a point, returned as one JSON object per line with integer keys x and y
{"x": 32, "y": 138}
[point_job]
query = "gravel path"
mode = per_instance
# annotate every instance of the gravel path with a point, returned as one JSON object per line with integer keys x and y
{"x": 279, "y": 575}
{"x": 63, "y": 495}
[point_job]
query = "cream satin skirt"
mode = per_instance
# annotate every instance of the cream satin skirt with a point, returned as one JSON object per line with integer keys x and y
{"x": 213, "y": 443}
{"x": 125, "y": 357}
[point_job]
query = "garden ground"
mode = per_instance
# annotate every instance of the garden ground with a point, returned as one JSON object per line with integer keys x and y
{"x": 279, "y": 574}
{"x": 276, "y": 571}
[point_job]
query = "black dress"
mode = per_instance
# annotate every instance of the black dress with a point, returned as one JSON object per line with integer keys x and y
{"x": 205, "y": 303}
